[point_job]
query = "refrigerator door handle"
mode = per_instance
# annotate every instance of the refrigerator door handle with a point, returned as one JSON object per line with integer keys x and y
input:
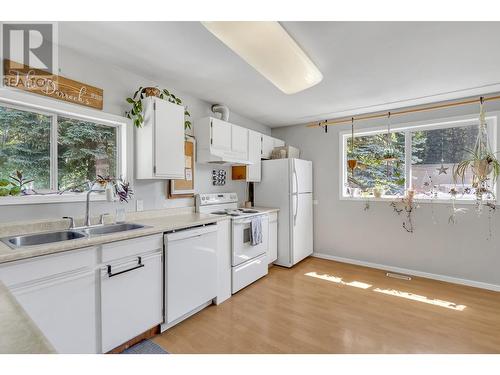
{"x": 296, "y": 209}
{"x": 296, "y": 194}
{"x": 296, "y": 179}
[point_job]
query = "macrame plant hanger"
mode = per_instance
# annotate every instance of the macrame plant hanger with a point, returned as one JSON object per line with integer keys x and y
{"x": 352, "y": 162}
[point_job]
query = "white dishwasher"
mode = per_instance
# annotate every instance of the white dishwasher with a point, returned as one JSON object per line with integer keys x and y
{"x": 190, "y": 272}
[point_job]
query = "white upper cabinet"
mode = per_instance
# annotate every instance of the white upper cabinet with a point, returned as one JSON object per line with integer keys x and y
{"x": 268, "y": 143}
{"x": 267, "y": 146}
{"x": 159, "y": 152}
{"x": 239, "y": 142}
{"x": 278, "y": 142}
{"x": 221, "y": 142}
{"x": 221, "y": 135}
{"x": 254, "y": 149}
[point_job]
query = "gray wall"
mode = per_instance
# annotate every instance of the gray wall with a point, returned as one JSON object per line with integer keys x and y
{"x": 343, "y": 229}
{"x": 117, "y": 85}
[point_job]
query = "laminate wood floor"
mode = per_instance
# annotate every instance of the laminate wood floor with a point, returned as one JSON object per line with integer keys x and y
{"x": 322, "y": 306}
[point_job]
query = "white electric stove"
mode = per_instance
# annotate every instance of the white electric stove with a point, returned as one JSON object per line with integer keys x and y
{"x": 249, "y": 263}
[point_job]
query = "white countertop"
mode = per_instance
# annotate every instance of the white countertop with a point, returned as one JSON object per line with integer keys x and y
{"x": 158, "y": 224}
{"x": 19, "y": 335}
{"x": 155, "y": 221}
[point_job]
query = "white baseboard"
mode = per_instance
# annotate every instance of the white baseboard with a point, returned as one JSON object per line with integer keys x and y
{"x": 449, "y": 279}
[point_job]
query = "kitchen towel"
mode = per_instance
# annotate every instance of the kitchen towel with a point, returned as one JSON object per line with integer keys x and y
{"x": 256, "y": 230}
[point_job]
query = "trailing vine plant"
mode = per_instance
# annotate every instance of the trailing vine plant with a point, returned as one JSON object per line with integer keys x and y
{"x": 136, "y": 112}
{"x": 406, "y": 205}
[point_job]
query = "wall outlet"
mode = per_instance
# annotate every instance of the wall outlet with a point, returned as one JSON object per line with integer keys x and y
{"x": 139, "y": 205}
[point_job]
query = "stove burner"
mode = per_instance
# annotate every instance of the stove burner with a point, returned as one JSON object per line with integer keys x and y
{"x": 229, "y": 212}
{"x": 247, "y": 211}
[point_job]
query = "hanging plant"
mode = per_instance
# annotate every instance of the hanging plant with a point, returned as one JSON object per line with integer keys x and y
{"x": 406, "y": 205}
{"x": 390, "y": 154}
{"x": 135, "y": 113}
{"x": 352, "y": 162}
{"x": 482, "y": 163}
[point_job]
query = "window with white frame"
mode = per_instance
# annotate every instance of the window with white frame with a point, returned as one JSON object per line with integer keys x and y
{"x": 423, "y": 160}
{"x": 58, "y": 152}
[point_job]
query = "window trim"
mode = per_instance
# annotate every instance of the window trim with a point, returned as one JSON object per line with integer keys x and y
{"x": 407, "y": 128}
{"x": 15, "y": 99}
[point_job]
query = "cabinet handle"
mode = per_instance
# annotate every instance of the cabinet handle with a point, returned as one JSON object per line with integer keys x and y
{"x": 139, "y": 265}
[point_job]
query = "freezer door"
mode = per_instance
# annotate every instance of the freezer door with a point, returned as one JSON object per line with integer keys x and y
{"x": 302, "y": 226}
{"x": 301, "y": 172}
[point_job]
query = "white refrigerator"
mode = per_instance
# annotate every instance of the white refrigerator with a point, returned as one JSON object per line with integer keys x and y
{"x": 287, "y": 185}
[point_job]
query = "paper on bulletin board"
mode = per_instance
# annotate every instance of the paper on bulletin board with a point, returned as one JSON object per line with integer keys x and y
{"x": 185, "y": 187}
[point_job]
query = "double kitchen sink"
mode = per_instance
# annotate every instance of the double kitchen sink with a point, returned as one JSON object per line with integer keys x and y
{"x": 69, "y": 234}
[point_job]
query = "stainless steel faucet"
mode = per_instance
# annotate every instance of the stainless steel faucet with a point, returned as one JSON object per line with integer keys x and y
{"x": 87, "y": 209}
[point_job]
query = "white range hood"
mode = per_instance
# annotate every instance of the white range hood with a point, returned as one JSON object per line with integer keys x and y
{"x": 220, "y": 142}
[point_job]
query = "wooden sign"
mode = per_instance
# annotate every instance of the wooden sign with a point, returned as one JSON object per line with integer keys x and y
{"x": 185, "y": 188}
{"x": 40, "y": 82}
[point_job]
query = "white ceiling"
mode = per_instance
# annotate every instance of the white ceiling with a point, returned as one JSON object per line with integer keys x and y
{"x": 366, "y": 65}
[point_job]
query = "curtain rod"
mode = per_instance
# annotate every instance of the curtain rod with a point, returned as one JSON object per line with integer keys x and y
{"x": 348, "y": 120}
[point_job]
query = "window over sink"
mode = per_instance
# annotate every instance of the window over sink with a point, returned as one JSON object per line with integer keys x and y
{"x": 56, "y": 152}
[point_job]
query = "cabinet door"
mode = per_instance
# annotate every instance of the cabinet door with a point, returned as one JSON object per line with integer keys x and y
{"x": 131, "y": 298}
{"x": 220, "y": 137}
{"x": 58, "y": 292}
{"x": 254, "y": 144}
{"x": 267, "y": 146}
{"x": 168, "y": 140}
{"x": 278, "y": 142}
{"x": 239, "y": 142}
{"x": 223, "y": 261}
{"x": 272, "y": 253}
{"x": 64, "y": 309}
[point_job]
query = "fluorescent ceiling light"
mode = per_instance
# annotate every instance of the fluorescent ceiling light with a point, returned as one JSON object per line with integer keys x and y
{"x": 268, "y": 48}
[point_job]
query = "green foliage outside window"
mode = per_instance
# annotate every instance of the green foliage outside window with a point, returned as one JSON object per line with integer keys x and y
{"x": 372, "y": 170}
{"x": 429, "y": 148}
{"x": 25, "y": 145}
{"x": 84, "y": 149}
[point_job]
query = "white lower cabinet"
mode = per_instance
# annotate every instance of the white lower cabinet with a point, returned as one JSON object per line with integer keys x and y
{"x": 58, "y": 292}
{"x": 131, "y": 297}
{"x": 64, "y": 310}
{"x": 223, "y": 261}
{"x": 93, "y": 299}
{"x": 272, "y": 252}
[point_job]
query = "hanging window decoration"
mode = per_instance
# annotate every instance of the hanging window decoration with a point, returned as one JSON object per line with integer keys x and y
{"x": 442, "y": 169}
{"x": 482, "y": 163}
{"x": 390, "y": 154}
{"x": 351, "y": 161}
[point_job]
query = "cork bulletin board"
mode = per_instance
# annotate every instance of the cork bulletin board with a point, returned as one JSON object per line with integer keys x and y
{"x": 185, "y": 188}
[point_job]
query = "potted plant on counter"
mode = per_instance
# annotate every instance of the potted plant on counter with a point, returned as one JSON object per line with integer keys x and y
{"x": 135, "y": 113}
{"x": 378, "y": 191}
{"x": 15, "y": 186}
